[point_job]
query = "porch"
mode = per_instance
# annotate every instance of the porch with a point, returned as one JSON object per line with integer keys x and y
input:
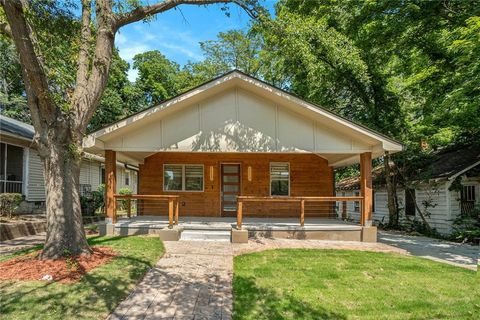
{"x": 237, "y": 147}
{"x": 225, "y": 228}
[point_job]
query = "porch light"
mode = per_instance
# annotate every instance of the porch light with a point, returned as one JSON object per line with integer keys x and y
{"x": 211, "y": 173}
{"x": 249, "y": 173}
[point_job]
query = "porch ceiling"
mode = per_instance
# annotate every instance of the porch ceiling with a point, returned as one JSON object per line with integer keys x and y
{"x": 335, "y": 160}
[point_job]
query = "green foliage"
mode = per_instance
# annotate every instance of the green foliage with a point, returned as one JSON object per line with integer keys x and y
{"x": 93, "y": 201}
{"x": 9, "y": 202}
{"x": 124, "y": 191}
{"x": 156, "y": 77}
{"x": 467, "y": 226}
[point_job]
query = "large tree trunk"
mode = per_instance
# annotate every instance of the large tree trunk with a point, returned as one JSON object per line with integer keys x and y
{"x": 65, "y": 232}
{"x": 391, "y": 193}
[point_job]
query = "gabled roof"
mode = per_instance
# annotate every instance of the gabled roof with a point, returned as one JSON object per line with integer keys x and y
{"x": 16, "y": 128}
{"x": 446, "y": 163}
{"x": 95, "y": 141}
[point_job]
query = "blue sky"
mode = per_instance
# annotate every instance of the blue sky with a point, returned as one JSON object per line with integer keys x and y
{"x": 177, "y": 33}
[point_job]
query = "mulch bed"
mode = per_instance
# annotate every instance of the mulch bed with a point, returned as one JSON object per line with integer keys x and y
{"x": 66, "y": 270}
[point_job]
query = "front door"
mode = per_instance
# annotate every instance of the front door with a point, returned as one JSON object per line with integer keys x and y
{"x": 230, "y": 188}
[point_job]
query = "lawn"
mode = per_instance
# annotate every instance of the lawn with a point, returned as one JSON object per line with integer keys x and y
{"x": 335, "y": 284}
{"x": 94, "y": 296}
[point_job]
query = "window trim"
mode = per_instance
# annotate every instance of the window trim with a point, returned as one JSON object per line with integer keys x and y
{"x": 183, "y": 165}
{"x": 270, "y": 178}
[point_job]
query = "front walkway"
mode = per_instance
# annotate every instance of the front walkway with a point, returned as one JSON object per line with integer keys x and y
{"x": 462, "y": 255}
{"x": 194, "y": 278}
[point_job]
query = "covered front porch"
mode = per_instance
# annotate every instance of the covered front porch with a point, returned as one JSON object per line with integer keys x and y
{"x": 238, "y": 150}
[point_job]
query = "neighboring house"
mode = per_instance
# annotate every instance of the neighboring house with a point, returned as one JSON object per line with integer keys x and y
{"x": 449, "y": 182}
{"x": 238, "y": 136}
{"x": 21, "y": 169}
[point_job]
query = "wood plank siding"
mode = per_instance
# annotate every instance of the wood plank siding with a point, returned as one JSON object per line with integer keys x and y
{"x": 310, "y": 175}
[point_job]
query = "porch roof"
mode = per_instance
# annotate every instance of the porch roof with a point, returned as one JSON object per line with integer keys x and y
{"x": 238, "y": 113}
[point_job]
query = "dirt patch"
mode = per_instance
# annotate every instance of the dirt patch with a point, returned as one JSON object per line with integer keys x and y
{"x": 66, "y": 270}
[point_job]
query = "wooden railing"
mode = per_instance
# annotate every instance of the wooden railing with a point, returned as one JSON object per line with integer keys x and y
{"x": 300, "y": 200}
{"x": 173, "y": 205}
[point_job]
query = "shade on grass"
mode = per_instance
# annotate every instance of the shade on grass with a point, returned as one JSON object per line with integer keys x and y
{"x": 337, "y": 284}
{"x": 94, "y": 296}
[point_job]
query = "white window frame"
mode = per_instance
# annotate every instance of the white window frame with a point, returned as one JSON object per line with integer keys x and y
{"x": 183, "y": 165}
{"x": 270, "y": 176}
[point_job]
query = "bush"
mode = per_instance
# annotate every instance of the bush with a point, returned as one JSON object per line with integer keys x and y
{"x": 467, "y": 226}
{"x": 93, "y": 201}
{"x": 124, "y": 191}
{"x": 9, "y": 202}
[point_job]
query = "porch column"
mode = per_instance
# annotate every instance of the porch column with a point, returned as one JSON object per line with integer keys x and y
{"x": 110, "y": 183}
{"x": 366, "y": 188}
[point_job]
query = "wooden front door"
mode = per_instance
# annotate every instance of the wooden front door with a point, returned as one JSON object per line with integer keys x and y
{"x": 230, "y": 188}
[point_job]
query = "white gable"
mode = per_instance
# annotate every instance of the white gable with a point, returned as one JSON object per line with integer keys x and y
{"x": 237, "y": 115}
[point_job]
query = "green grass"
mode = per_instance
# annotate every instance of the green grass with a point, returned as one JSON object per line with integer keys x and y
{"x": 337, "y": 284}
{"x": 93, "y": 297}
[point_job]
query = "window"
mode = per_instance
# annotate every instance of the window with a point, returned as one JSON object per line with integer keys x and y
{"x": 410, "y": 202}
{"x": 181, "y": 177}
{"x": 279, "y": 179}
{"x": 127, "y": 178}
{"x": 356, "y": 204}
{"x": 467, "y": 199}
{"x": 11, "y": 168}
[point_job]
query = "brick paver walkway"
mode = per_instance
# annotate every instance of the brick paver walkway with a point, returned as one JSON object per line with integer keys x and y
{"x": 193, "y": 280}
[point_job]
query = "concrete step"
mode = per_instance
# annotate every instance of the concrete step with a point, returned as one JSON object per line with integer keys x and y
{"x": 205, "y": 235}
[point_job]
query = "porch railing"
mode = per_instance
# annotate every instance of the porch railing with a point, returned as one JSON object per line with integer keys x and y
{"x": 142, "y": 203}
{"x": 8, "y": 186}
{"x": 300, "y": 200}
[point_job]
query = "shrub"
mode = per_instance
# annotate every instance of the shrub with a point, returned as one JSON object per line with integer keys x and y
{"x": 467, "y": 226}
{"x": 124, "y": 191}
{"x": 9, "y": 202}
{"x": 93, "y": 201}
{"x": 98, "y": 198}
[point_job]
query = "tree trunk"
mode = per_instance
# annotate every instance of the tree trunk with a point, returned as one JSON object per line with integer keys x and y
{"x": 65, "y": 232}
{"x": 391, "y": 194}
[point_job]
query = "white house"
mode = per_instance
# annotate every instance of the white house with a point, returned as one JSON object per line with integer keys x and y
{"x": 21, "y": 169}
{"x": 447, "y": 185}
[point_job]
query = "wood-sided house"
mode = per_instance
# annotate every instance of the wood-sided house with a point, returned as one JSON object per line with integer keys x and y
{"x": 445, "y": 186}
{"x": 21, "y": 169}
{"x": 238, "y": 138}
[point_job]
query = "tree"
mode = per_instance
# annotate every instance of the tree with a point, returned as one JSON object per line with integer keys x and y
{"x": 157, "y": 76}
{"x": 64, "y": 81}
{"x": 12, "y": 100}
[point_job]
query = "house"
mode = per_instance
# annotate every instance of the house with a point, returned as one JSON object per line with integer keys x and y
{"x": 446, "y": 185}
{"x": 237, "y": 146}
{"x": 21, "y": 169}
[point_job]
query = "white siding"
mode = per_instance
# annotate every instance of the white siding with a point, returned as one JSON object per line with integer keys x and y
{"x": 35, "y": 182}
{"x": 90, "y": 173}
{"x": 438, "y": 209}
{"x": 121, "y": 172}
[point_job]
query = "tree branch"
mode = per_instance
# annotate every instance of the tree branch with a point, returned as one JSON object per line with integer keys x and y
{"x": 83, "y": 55}
{"x": 87, "y": 103}
{"x": 146, "y": 11}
